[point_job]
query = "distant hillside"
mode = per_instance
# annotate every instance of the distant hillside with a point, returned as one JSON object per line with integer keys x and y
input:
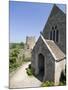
{"x": 16, "y": 45}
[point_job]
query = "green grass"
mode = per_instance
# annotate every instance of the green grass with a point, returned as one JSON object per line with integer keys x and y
{"x": 47, "y": 84}
{"x": 14, "y": 66}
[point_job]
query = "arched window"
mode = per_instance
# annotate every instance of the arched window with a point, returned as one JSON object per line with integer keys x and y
{"x": 57, "y": 35}
{"x": 54, "y": 35}
{"x": 51, "y": 35}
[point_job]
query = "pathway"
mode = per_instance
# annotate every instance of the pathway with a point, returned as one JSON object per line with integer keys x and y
{"x": 21, "y": 80}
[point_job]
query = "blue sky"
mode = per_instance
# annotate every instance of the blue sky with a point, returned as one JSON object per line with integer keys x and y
{"x": 28, "y": 19}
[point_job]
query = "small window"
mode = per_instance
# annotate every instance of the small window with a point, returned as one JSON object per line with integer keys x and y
{"x": 57, "y": 35}
{"x": 54, "y": 35}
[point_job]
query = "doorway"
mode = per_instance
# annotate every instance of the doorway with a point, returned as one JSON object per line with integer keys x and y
{"x": 41, "y": 66}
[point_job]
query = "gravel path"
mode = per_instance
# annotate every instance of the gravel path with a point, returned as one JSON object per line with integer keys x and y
{"x": 21, "y": 80}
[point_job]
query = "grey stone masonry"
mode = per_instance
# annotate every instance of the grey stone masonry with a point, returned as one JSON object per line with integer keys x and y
{"x": 49, "y": 53}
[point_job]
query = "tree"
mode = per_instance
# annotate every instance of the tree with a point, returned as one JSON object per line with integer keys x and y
{"x": 22, "y": 45}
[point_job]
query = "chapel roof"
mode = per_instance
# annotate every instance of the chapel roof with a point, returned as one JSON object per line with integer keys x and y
{"x": 54, "y": 49}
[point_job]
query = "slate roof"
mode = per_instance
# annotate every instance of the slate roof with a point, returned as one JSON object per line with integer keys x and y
{"x": 54, "y": 49}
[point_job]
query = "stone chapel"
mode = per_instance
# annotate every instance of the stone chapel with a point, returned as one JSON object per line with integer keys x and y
{"x": 49, "y": 52}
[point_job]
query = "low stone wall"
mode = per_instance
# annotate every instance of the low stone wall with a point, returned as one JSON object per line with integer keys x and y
{"x": 24, "y": 54}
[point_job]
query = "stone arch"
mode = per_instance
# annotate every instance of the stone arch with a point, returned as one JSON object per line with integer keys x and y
{"x": 41, "y": 66}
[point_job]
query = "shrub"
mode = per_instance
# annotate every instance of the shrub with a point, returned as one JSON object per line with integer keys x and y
{"x": 29, "y": 70}
{"x": 62, "y": 83}
{"x": 47, "y": 83}
{"x": 12, "y": 60}
{"x": 13, "y": 67}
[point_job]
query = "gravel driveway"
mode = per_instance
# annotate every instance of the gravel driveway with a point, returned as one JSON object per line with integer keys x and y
{"x": 21, "y": 80}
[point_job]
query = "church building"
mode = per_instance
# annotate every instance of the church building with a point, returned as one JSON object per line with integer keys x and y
{"x": 49, "y": 53}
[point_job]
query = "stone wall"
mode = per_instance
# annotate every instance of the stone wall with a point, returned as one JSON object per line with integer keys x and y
{"x": 59, "y": 68}
{"x": 24, "y": 54}
{"x": 49, "y": 60}
{"x": 52, "y": 69}
{"x": 59, "y": 20}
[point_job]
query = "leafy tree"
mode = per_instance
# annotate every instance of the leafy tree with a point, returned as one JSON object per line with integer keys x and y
{"x": 12, "y": 45}
{"x": 22, "y": 45}
{"x": 12, "y": 59}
